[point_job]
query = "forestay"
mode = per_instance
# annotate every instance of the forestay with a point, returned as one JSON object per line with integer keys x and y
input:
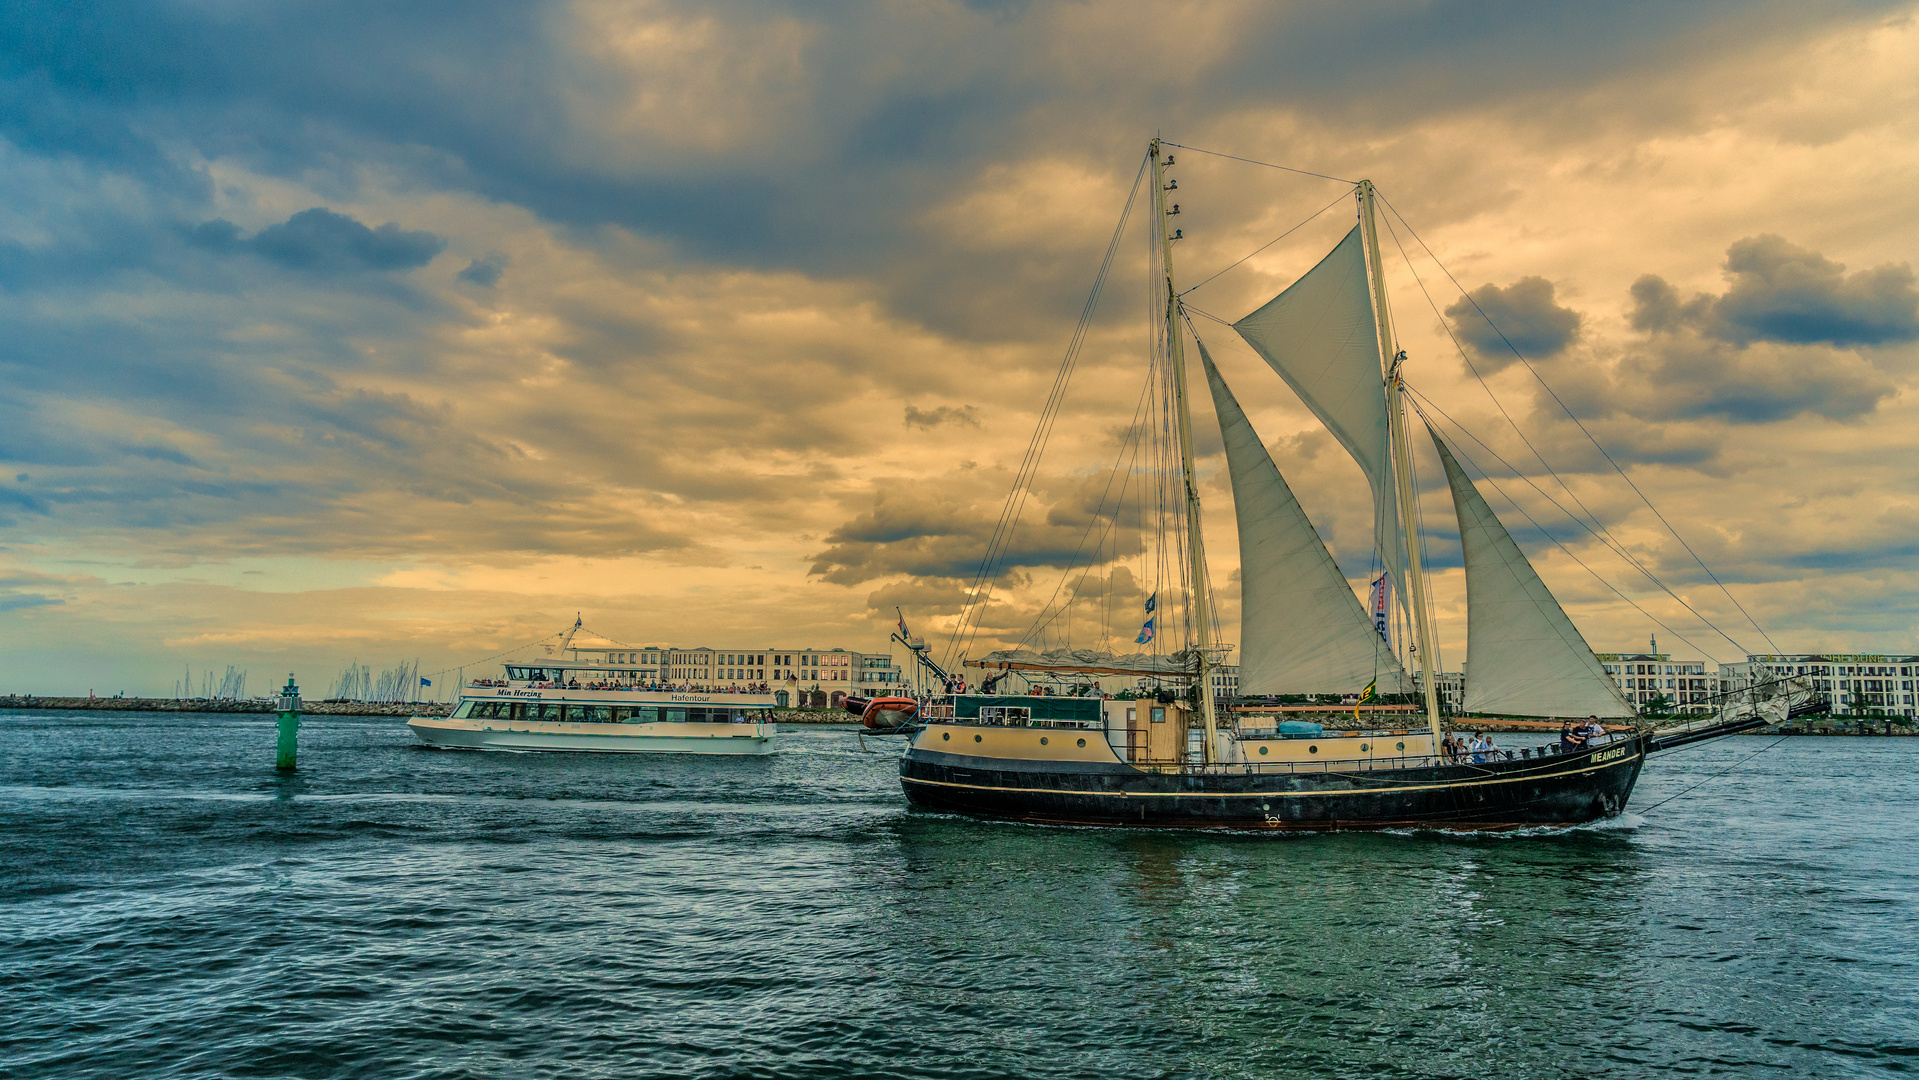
{"x": 1524, "y": 657}
{"x": 1321, "y": 337}
{"x": 1302, "y": 631}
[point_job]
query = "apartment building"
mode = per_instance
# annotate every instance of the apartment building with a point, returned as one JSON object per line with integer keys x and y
{"x": 1647, "y": 677}
{"x": 1857, "y": 684}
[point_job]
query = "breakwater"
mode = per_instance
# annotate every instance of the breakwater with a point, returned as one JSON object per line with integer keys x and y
{"x": 177, "y": 705}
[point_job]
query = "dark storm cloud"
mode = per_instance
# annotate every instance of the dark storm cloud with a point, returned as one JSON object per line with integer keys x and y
{"x": 1786, "y": 293}
{"x": 927, "y": 419}
{"x": 1524, "y": 314}
{"x": 319, "y": 241}
{"x": 484, "y": 272}
{"x": 895, "y": 108}
{"x": 919, "y": 537}
{"x": 1779, "y": 342}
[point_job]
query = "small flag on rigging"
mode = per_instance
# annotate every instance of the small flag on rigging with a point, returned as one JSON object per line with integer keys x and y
{"x": 1366, "y": 695}
{"x": 1382, "y": 607}
{"x": 1152, "y": 603}
{"x": 424, "y": 681}
{"x": 1145, "y": 632}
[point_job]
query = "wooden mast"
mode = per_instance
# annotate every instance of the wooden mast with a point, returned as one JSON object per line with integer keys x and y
{"x": 1424, "y": 633}
{"x": 1202, "y": 642}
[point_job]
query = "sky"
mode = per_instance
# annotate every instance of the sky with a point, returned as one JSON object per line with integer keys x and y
{"x": 369, "y": 332}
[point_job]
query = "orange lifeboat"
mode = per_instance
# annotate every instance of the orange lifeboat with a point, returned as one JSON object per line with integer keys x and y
{"x": 883, "y": 714}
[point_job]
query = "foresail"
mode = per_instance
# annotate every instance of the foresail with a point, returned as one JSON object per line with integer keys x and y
{"x": 1302, "y": 631}
{"x": 1524, "y": 657}
{"x": 1321, "y": 337}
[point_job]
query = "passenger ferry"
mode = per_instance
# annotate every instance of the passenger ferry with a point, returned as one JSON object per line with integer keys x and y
{"x": 591, "y": 698}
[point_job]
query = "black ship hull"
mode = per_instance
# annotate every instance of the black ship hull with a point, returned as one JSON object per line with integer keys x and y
{"x": 1561, "y": 789}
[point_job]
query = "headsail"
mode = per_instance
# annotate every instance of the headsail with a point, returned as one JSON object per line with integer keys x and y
{"x": 1322, "y": 337}
{"x": 1302, "y": 631}
{"x": 1524, "y": 657}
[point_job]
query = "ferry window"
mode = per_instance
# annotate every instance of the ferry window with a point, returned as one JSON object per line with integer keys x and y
{"x": 465, "y": 710}
{"x": 592, "y": 714}
{"x": 646, "y": 714}
{"x": 673, "y": 716}
{"x": 545, "y": 711}
{"x": 1159, "y": 715}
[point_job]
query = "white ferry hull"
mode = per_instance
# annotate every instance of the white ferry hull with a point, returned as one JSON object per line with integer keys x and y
{"x": 656, "y": 738}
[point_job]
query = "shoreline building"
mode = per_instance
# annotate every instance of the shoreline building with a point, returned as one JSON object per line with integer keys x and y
{"x": 1857, "y": 684}
{"x": 817, "y": 678}
{"x": 1644, "y": 677}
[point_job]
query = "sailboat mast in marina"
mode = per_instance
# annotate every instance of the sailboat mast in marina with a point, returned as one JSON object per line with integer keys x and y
{"x": 1304, "y": 637}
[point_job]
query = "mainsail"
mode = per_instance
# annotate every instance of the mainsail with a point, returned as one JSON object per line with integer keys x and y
{"x": 1323, "y": 339}
{"x": 1524, "y": 657}
{"x": 1302, "y": 631}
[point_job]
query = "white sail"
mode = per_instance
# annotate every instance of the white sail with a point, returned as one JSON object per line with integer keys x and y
{"x": 1302, "y": 631}
{"x": 1320, "y": 335}
{"x": 1524, "y": 657}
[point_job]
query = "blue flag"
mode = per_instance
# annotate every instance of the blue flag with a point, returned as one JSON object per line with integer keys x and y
{"x": 426, "y": 681}
{"x": 1145, "y": 633}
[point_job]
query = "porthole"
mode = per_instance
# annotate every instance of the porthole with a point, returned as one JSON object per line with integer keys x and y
{"x": 1082, "y": 742}
{"x": 1262, "y": 751}
{"x": 1312, "y": 749}
{"x": 1363, "y": 748}
{"x": 1042, "y": 740}
{"x": 946, "y": 736}
{"x": 976, "y": 738}
{"x": 1401, "y": 746}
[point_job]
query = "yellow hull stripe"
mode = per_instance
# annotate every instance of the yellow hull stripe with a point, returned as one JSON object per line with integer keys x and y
{"x": 1522, "y": 779}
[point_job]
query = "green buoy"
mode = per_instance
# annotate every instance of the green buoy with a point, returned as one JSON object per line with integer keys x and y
{"x": 288, "y": 706}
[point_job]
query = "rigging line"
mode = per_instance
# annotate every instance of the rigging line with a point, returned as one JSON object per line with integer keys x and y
{"x": 1003, "y": 529}
{"x": 1535, "y": 524}
{"x": 1250, "y": 161}
{"x": 1716, "y": 775}
{"x": 1605, "y": 539}
{"x": 1212, "y": 610}
{"x": 1131, "y": 443}
{"x": 1009, "y": 514}
{"x": 1601, "y": 532}
{"x": 1582, "y": 427}
{"x": 1337, "y": 199}
{"x": 509, "y": 652}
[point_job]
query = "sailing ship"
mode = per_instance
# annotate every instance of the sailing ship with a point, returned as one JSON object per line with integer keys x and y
{"x": 1175, "y": 758}
{"x": 594, "y": 696}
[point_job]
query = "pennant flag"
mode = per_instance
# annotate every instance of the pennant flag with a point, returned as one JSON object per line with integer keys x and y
{"x": 904, "y": 632}
{"x": 1366, "y": 695}
{"x": 1152, "y": 603}
{"x": 1382, "y": 607}
{"x": 1145, "y": 632}
{"x": 424, "y": 681}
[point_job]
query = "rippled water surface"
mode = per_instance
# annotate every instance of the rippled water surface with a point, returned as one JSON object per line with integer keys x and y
{"x": 172, "y": 907}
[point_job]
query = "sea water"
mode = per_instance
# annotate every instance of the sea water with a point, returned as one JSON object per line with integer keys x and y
{"x": 173, "y": 907}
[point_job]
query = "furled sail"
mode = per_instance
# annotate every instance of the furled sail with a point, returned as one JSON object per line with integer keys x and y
{"x": 1320, "y": 335}
{"x": 1524, "y": 657}
{"x": 1302, "y": 631}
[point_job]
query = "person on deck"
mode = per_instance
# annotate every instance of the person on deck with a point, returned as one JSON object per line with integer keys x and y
{"x": 1482, "y": 748}
{"x": 1592, "y": 730}
{"x": 1566, "y": 743}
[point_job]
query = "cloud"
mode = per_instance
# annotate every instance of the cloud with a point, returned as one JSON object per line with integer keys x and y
{"x": 484, "y": 272}
{"x": 319, "y": 241}
{"x": 1781, "y": 292}
{"x": 1523, "y": 313}
{"x": 964, "y": 415}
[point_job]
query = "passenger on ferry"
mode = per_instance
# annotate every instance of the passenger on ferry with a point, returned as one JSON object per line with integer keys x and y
{"x": 1482, "y": 748}
{"x": 1593, "y": 730}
